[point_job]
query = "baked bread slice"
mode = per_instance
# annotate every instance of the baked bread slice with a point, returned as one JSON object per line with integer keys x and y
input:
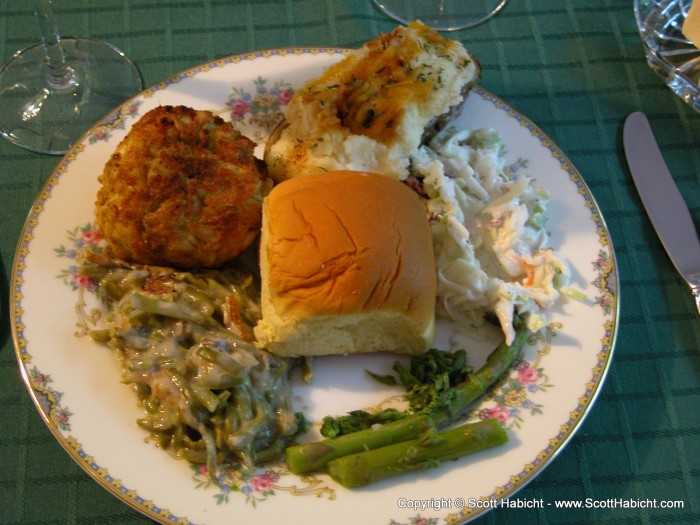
{"x": 347, "y": 266}
{"x": 371, "y": 110}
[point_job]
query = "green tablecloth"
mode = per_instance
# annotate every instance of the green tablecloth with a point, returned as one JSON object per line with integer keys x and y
{"x": 576, "y": 69}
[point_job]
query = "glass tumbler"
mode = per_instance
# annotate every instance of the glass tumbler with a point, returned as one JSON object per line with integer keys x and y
{"x": 670, "y": 54}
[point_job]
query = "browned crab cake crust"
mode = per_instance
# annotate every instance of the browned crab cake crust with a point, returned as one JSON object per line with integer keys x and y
{"x": 182, "y": 189}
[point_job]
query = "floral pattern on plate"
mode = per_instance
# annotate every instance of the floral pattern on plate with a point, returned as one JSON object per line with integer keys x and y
{"x": 117, "y": 120}
{"x": 261, "y": 107}
{"x": 259, "y": 484}
{"x": 50, "y": 399}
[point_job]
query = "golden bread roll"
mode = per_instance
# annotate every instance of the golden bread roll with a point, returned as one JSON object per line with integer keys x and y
{"x": 347, "y": 266}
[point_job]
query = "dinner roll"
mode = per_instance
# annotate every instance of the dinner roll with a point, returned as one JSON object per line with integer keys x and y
{"x": 347, "y": 266}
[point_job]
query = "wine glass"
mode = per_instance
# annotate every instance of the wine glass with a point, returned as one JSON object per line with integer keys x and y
{"x": 443, "y": 15}
{"x": 53, "y": 92}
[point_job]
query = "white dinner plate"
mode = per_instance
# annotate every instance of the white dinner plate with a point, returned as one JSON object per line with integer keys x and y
{"x": 75, "y": 382}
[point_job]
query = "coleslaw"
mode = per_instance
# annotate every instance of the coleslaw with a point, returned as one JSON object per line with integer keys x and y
{"x": 489, "y": 231}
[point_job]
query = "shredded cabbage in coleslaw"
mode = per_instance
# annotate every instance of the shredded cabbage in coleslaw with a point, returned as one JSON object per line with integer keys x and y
{"x": 489, "y": 231}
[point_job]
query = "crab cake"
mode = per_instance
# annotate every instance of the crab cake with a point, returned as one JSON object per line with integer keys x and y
{"x": 182, "y": 189}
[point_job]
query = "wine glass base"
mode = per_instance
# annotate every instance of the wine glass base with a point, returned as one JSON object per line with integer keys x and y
{"x": 442, "y": 15}
{"x": 48, "y": 118}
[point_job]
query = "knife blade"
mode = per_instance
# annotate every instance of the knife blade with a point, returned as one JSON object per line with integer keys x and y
{"x": 662, "y": 200}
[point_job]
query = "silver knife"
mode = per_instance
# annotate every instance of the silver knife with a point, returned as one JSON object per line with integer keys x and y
{"x": 663, "y": 202}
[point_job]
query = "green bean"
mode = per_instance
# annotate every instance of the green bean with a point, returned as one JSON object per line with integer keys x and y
{"x": 251, "y": 418}
{"x": 205, "y": 396}
{"x": 191, "y": 455}
{"x": 210, "y": 443}
{"x": 178, "y": 437}
{"x": 231, "y": 420}
{"x": 181, "y": 337}
{"x": 94, "y": 271}
{"x": 197, "y": 301}
{"x": 216, "y": 424}
{"x": 216, "y": 288}
{"x": 112, "y": 290}
{"x": 140, "y": 363}
{"x": 145, "y": 395}
{"x": 243, "y": 401}
{"x": 220, "y": 359}
{"x": 272, "y": 452}
{"x": 181, "y": 384}
{"x": 154, "y": 305}
{"x": 154, "y": 424}
{"x": 101, "y": 336}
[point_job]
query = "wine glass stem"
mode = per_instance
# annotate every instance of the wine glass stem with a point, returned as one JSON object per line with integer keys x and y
{"x": 60, "y": 75}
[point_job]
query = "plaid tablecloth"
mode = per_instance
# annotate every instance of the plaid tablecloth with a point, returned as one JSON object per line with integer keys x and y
{"x": 576, "y": 68}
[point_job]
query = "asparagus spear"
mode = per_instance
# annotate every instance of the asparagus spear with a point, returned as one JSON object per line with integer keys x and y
{"x": 363, "y": 468}
{"x": 313, "y": 456}
{"x": 455, "y": 400}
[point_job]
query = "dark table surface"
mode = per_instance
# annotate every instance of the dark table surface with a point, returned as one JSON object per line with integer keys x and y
{"x": 576, "y": 69}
